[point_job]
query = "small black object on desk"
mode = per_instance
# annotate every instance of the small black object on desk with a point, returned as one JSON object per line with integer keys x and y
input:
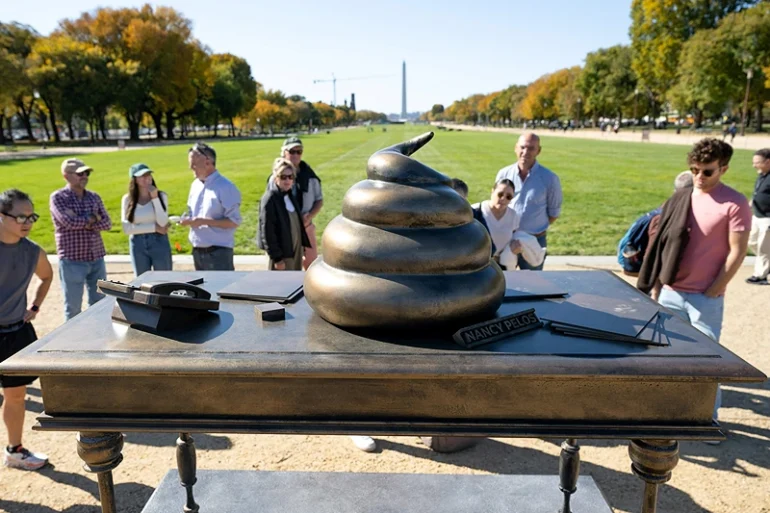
{"x": 270, "y": 312}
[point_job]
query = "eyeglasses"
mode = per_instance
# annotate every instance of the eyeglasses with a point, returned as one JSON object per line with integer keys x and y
{"x": 87, "y": 172}
{"x": 286, "y": 177}
{"x": 295, "y": 152}
{"x": 22, "y": 219}
{"x": 502, "y": 195}
{"x": 706, "y": 172}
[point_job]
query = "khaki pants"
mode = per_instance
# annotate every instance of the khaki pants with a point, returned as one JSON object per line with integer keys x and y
{"x": 759, "y": 243}
{"x": 311, "y": 253}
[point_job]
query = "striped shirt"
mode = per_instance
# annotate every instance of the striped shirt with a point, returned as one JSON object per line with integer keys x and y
{"x": 74, "y": 239}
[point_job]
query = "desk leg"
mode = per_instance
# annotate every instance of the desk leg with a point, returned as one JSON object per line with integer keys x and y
{"x": 186, "y": 463}
{"x": 653, "y": 461}
{"x": 569, "y": 470}
{"x": 101, "y": 453}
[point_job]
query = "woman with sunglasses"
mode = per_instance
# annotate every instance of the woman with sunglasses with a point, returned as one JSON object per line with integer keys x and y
{"x": 21, "y": 258}
{"x": 145, "y": 221}
{"x": 281, "y": 231}
{"x": 501, "y": 220}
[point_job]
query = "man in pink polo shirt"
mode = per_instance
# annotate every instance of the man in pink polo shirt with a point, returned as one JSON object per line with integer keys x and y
{"x": 718, "y": 224}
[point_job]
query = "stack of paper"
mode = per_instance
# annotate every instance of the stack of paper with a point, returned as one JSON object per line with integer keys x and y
{"x": 270, "y": 286}
{"x": 604, "y": 318}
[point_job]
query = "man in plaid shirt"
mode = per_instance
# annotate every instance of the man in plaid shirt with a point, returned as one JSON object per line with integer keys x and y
{"x": 78, "y": 216}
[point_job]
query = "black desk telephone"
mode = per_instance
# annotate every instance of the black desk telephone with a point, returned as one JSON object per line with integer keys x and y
{"x": 159, "y": 304}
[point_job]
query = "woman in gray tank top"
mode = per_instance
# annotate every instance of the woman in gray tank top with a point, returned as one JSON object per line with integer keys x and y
{"x": 20, "y": 258}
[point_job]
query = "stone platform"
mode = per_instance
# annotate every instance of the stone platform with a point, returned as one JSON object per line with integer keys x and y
{"x": 226, "y": 491}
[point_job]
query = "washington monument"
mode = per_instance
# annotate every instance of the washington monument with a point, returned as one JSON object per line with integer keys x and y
{"x": 403, "y": 90}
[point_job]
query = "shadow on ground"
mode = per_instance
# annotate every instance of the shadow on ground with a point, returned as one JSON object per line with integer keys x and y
{"x": 130, "y": 497}
{"x": 499, "y": 458}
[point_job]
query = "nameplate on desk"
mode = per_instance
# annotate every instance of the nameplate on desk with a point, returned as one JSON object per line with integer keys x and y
{"x": 496, "y": 329}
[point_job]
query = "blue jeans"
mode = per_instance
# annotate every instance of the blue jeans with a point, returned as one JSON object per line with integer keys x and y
{"x": 150, "y": 251}
{"x": 214, "y": 258}
{"x": 524, "y": 266}
{"x": 703, "y": 312}
{"x": 74, "y": 276}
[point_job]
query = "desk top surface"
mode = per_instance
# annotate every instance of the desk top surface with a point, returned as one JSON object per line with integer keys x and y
{"x": 234, "y": 341}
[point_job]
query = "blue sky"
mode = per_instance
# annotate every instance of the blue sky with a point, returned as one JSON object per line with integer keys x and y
{"x": 452, "y": 49}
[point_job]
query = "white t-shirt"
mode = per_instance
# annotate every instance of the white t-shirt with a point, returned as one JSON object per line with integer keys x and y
{"x": 145, "y": 216}
{"x": 500, "y": 230}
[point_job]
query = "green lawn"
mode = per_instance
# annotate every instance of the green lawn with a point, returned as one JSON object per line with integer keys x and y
{"x": 606, "y": 184}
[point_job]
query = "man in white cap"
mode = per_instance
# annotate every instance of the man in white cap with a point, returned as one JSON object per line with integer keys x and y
{"x": 307, "y": 192}
{"x": 78, "y": 217}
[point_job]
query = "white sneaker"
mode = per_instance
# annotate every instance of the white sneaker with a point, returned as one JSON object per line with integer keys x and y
{"x": 24, "y": 459}
{"x": 365, "y": 443}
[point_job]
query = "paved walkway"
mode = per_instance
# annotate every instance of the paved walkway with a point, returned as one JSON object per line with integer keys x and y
{"x": 686, "y": 138}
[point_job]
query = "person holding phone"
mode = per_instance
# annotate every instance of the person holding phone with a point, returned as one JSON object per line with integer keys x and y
{"x": 144, "y": 216}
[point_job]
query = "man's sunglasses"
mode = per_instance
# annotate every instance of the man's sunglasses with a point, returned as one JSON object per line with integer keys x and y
{"x": 204, "y": 150}
{"x": 296, "y": 152}
{"x": 22, "y": 219}
{"x": 87, "y": 172}
{"x": 708, "y": 173}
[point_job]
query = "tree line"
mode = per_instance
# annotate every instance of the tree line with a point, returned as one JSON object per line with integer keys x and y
{"x": 702, "y": 58}
{"x": 145, "y": 67}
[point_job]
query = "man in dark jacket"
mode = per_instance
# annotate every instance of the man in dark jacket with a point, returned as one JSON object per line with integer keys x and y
{"x": 759, "y": 239}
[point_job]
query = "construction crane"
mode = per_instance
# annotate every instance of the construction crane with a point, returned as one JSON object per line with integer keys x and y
{"x": 334, "y": 80}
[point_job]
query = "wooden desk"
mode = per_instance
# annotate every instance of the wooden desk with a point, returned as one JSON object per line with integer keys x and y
{"x": 235, "y": 374}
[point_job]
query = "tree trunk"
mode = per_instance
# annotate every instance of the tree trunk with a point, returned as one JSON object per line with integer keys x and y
{"x": 133, "y": 120}
{"x": 52, "y": 112}
{"x": 170, "y": 125}
{"x": 698, "y": 118}
{"x": 70, "y": 129}
{"x": 2, "y": 130}
{"x": 232, "y": 127}
{"x": 758, "y": 119}
{"x": 103, "y": 126}
{"x": 25, "y": 113}
{"x": 157, "y": 119}
{"x": 43, "y": 120}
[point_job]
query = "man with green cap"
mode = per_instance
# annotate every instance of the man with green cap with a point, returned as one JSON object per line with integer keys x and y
{"x": 307, "y": 192}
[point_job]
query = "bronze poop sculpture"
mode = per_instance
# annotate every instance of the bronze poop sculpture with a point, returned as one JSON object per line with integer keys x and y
{"x": 405, "y": 252}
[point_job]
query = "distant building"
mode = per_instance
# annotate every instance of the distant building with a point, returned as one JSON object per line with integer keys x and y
{"x": 403, "y": 90}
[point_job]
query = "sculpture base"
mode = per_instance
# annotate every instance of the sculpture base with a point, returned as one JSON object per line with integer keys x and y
{"x": 226, "y": 491}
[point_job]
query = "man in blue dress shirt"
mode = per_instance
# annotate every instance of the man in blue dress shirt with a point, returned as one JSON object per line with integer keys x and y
{"x": 537, "y": 196}
{"x": 213, "y": 212}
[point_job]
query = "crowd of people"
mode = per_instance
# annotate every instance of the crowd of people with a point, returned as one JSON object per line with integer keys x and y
{"x": 688, "y": 252}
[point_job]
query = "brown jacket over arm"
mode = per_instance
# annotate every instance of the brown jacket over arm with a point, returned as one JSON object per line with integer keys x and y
{"x": 665, "y": 250}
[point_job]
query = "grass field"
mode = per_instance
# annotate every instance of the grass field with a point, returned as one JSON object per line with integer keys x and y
{"x": 606, "y": 184}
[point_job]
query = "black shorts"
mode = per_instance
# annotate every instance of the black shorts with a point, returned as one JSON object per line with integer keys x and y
{"x": 10, "y": 344}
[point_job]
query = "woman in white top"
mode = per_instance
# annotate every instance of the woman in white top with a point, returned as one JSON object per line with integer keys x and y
{"x": 145, "y": 220}
{"x": 501, "y": 220}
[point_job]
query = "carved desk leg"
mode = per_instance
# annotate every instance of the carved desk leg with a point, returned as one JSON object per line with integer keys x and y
{"x": 186, "y": 462}
{"x": 101, "y": 453}
{"x": 569, "y": 470}
{"x": 653, "y": 461}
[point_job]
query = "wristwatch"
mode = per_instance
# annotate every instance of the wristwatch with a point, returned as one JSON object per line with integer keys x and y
{"x": 35, "y": 308}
